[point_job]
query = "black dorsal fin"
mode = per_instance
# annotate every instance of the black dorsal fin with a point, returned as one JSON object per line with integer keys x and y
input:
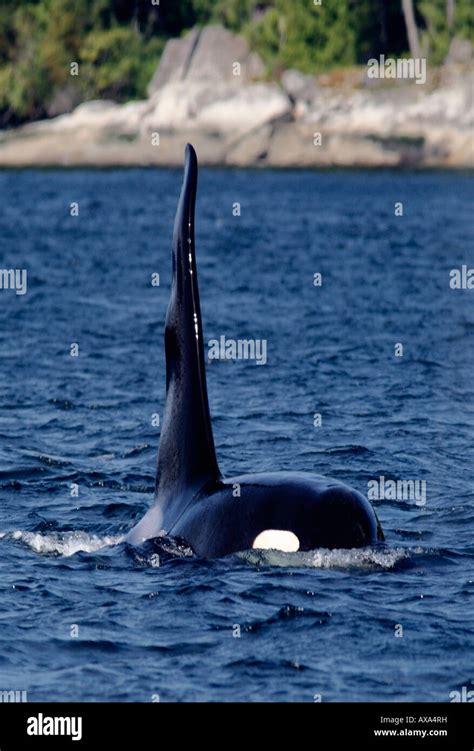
{"x": 186, "y": 457}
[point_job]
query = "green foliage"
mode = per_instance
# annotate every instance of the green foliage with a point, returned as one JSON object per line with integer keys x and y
{"x": 234, "y": 14}
{"x": 38, "y": 41}
{"x": 305, "y": 36}
{"x": 117, "y": 63}
{"x": 437, "y": 36}
{"x": 23, "y": 85}
{"x": 117, "y": 43}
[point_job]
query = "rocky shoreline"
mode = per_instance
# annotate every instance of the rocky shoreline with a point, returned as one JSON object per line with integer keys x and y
{"x": 210, "y": 89}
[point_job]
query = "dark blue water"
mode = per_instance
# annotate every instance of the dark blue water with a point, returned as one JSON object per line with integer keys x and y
{"x": 321, "y": 623}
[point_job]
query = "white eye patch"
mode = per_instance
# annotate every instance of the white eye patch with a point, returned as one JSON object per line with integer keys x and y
{"x": 277, "y": 539}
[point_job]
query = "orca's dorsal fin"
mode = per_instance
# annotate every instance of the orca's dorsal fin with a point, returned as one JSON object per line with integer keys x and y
{"x": 186, "y": 456}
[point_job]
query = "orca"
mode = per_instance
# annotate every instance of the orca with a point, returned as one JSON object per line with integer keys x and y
{"x": 215, "y": 516}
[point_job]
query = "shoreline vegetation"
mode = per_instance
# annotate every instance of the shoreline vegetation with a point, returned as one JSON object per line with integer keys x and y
{"x": 281, "y": 84}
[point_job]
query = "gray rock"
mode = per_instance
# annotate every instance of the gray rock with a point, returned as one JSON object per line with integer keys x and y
{"x": 225, "y": 108}
{"x": 64, "y": 100}
{"x": 251, "y": 149}
{"x": 292, "y": 145}
{"x": 297, "y": 84}
{"x": 304, "y": 91}
{"x": 210, "y": 55}
{"x": 216, "y": 53}
{"x": 175, "y": 60}
{"x": 460, "y": 51}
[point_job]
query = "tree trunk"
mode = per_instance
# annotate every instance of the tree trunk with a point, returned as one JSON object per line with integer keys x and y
{"x": 412, "y": 31}
{"x": 450, "y": 8}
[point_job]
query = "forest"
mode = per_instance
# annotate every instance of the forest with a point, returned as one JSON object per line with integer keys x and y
{"x": 117, "y": 44}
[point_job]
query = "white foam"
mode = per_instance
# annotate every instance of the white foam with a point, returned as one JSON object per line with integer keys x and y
{"x": 360, "y": 558}
{"x": 63, "y": 543}
{"x": 74, "y": 541}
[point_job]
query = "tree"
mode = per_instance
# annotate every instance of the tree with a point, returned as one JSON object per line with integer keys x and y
{"x": 117, "y": 43}
{"x": 438, "y": 35}
{"x": 305, "y": 36}
{"x": 450, "y": 10}
{"x": 412, "y": 30}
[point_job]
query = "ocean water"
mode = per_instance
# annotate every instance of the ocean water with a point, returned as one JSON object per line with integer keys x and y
{"x": 83, "y": 616}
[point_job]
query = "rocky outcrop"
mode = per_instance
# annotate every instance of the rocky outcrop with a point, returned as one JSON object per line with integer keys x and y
{"x": 210, "y": 89}
{"x": 460, "y": 51}
{"x": 222, "y": 108}
{"x": 210, "y": 55}
{"x": 208, "y": 81}
{"x": 175, "y": 61}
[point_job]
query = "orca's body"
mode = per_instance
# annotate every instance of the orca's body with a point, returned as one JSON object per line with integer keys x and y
{"x": 287, "y": 510}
